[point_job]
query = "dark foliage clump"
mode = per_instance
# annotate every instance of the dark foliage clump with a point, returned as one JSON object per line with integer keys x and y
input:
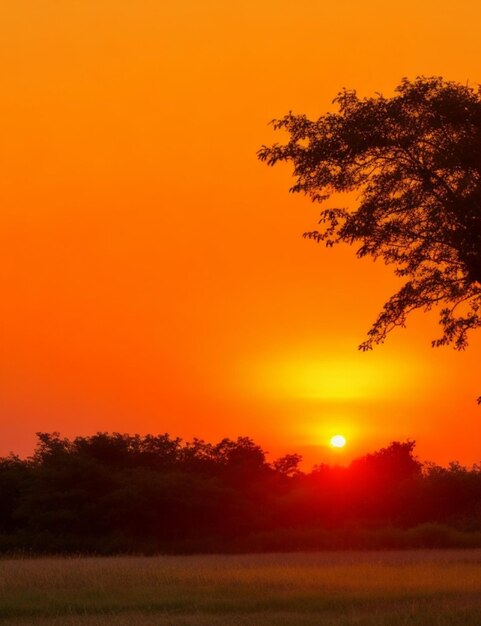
{"x": 414, "y": 163}
{"x": 112, "y": 493}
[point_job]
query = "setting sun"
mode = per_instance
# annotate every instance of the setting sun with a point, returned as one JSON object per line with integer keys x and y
{"x": 338, "y": 441}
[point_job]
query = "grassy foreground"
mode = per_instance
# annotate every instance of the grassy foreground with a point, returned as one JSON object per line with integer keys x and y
{"x": 435, "y": 587}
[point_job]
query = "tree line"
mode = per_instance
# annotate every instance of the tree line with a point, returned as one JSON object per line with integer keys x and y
{"x": 118, "y": 493}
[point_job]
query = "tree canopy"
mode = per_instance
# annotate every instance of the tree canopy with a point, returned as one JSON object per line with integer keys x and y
{"x": 414, "y": 161}
{"x": 110, "y": 493}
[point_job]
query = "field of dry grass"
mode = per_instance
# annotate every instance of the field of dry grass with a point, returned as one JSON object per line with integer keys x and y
{"x": 436, "y": 587}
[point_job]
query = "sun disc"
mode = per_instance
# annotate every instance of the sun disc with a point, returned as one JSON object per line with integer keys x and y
{"x": 338, "y": 441}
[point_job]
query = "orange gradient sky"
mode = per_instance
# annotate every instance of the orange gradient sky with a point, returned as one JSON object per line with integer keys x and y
{"x": 153, "y": 273}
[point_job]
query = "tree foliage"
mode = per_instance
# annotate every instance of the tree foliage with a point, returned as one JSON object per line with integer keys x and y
{"x": 111, "y": 493}
{"x": 414, "y": 161}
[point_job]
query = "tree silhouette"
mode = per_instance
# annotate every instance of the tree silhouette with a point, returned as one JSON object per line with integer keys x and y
{"x": 112, "y": 493}
{"x": 414, "y": 161}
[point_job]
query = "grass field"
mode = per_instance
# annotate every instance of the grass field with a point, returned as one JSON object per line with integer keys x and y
{"x": 435, "y": 587}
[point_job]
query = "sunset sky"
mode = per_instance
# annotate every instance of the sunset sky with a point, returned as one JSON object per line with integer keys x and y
{"x": 153, "y": 272}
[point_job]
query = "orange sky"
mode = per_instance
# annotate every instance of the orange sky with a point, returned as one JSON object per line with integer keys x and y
{"x": 153, "y": 274}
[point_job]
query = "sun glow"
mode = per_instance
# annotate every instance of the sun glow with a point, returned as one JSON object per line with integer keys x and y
{"x": 339, "y": 378}
{"x": 338, "y": 441}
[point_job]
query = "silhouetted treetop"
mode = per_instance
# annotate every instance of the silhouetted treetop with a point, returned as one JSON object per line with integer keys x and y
{"x": 111, "y": 492}
{"x": 397, "y": 462}
{"x": 414, "y": 161}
